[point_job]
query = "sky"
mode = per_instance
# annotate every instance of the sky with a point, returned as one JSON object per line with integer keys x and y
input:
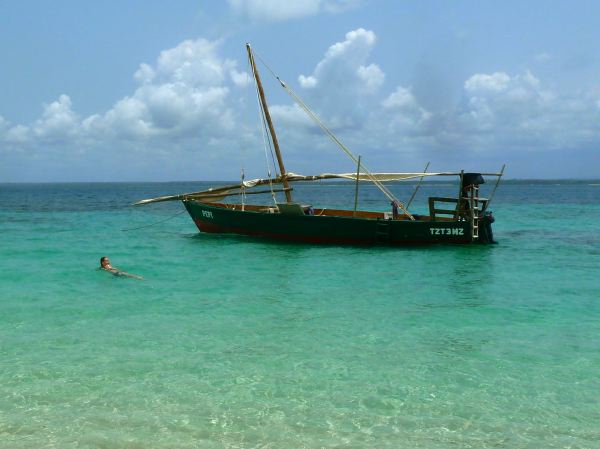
{"x": 160, "y": 91}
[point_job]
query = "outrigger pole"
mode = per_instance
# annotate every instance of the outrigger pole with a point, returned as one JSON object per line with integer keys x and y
{"x": 356, "y": 188}
{"x": 417, "y": 187}
{"x": 265, "y": 108}
{"x": 494, "y": 189}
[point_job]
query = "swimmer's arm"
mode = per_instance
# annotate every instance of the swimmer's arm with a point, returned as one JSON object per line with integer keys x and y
{"x": 117, "y": 272}
{"x": 127, "y": 275}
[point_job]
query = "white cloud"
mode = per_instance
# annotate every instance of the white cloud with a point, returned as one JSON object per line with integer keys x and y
{"x": 193, "y": 63}
{"x": 240, "y": 79}
{"x": 482, "y": 82}
{"x": 344, "y": 84}
{"x": 58, "y": 120}
{"x": 401, "y": 98}
{"x": 498, "y": 100}
{"x": 183, "y": 95}
{"x": 401, "y": 121}
{"x": 57, "y": 123}
{"x": 185, "y": 101}
{"x": 518, "y": 111}
{"x": 372, "y": 76}
{"x": 498, "y": 110}
{"x": 359, "y": 40}
{"x": 144, "y": 74}
{"x": 405, "y": 107}
{"x": 18, "y": 134}
{"x": 344, "y": 64}
{"x": 307, "y": 82}
{"x": 277, "y": 10}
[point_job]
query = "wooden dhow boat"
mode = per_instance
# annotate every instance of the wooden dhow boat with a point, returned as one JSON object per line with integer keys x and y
{"x": 463, "y": 219}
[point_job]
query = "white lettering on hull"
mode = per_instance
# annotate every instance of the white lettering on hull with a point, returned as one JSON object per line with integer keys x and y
{"x": 447, "y": 231}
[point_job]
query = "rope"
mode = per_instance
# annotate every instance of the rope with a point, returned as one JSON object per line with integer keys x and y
{"x": 266, "y": 141}
{"x": 153, "y": 224}
{"x": 332, "y": 136}
{"x": 243, "y": 150}
{"x": 265, "y": 64}
{"x": 243, "y": 188}
{"x": 267, "y": 147}
{"x": 494, "y": 189}
{"x": 417, "y": 187}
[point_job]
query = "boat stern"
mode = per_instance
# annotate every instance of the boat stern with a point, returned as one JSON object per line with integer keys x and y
{"x": 486, "y": 235}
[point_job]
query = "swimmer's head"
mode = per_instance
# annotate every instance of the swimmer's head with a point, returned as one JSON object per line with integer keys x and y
{"x": 104, "y": 261}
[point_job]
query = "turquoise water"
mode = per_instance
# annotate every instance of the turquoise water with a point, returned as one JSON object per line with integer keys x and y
{"x": 231, "y": 342}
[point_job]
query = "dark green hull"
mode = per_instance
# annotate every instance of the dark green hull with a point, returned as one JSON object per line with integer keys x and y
{"x": 332, "y": 229}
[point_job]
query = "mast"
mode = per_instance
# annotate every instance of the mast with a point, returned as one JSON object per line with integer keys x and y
{"x": 356, "y": 187}
{"x": 263, "y": 102}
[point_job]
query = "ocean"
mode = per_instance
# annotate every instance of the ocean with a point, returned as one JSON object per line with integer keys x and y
{"x": 233, "y": 342}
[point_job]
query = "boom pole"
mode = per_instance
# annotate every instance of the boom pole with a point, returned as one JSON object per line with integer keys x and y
{"x": 263, "y": 102}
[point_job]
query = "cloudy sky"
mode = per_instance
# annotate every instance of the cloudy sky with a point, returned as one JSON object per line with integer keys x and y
{"x": 152, "y": 90}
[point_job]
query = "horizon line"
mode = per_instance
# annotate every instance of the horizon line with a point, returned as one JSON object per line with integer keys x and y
{"x": 233, "y": 181}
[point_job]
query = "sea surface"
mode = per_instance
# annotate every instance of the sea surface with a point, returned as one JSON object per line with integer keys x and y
{"x": 232, "y": 342}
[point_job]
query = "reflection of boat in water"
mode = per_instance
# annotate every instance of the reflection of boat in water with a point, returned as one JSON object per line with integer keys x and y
{"x": 460, "y": 219}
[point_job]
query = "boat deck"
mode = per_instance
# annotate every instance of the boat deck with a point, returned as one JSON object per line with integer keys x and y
{"x": 327, "y": 212}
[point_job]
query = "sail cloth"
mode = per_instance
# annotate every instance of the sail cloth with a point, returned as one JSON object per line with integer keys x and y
{"x": 383, "y": 177}
{"x": 368, "y": 177}
{"x": 352, "y": 176}
{"x": 219, "y": 193}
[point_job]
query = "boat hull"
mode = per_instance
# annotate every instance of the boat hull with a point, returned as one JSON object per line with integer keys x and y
{"x": 327, "y": 229}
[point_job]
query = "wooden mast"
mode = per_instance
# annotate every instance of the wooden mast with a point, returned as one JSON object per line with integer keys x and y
{"x": 263, "y": 101}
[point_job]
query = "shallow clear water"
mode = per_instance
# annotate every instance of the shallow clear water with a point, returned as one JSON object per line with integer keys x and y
{"x": 235, "y": 342}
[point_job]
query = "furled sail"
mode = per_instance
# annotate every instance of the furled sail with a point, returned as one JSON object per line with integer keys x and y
{"x": 219, "y": 193}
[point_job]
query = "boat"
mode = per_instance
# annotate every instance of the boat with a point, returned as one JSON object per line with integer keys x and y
{"x": 463, "y": 219}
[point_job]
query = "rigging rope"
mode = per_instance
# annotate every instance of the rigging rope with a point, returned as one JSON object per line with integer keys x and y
{"x": 416, "y": 189}
{"x": 266, "y": 140}
{"x": 243, "y": 188}
{"x": 154, "y": 224}
{"x": 332, "y": 136}
{"x": 263, "y": 112}
{"x": 243, "y": 151}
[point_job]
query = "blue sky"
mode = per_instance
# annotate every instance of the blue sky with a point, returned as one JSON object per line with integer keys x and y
{"x": 144, "y": 90}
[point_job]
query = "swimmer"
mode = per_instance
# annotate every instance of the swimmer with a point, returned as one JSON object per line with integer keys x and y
{"x": 106, "y": 266}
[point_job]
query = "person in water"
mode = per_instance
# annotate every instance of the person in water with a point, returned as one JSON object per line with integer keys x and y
{"x": 106, "y": 266}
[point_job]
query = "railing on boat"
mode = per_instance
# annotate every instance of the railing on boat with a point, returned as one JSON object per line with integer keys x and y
{"x": 468, "y": 208}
